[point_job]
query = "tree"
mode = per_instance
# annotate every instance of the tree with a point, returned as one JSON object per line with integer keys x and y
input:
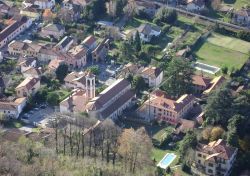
{"x": 224, "y": 70}
{"x": 166, "y": 15}
{"x": 138, "y": 84}
{"x": 216, "y": 4}
{"x": 95, "y": 10}
{"x": 130, "y": 10}
{"x": 53, "y": 99}
{"x": 232, "y": 138}
{"x": 135, "y": 147}
{"x": 41, "y": 95}
{"x": 216, "y": 133}
{"x": 94, "y": 69}
{"x": 206, "y": 133}
{"x": 126, "y": 51}
{"x": 219, "y": 107}
{"x": 2, "y": 118}
{"x": 116, "y": 8}
{"x": 137, "y": 42}
{"x": 179, "y": 77}
{"x": 61, "y": 72}
{"x": 188, "y": 141}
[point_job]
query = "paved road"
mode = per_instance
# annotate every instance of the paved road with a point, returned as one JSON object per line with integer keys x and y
{"x": 203, "y": 17}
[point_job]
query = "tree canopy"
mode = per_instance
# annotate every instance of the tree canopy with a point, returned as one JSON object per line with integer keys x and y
{"x": 179, "y": 77}
{"x": 61, "y": 72}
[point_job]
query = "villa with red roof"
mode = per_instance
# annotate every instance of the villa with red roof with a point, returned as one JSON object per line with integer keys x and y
{"x": 161, "y": 107}
{"x": 214, "y": 159}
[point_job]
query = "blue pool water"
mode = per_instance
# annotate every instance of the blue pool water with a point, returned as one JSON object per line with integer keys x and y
{"x": 167, "y": 160}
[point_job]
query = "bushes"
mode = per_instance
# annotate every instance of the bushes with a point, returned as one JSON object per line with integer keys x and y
{"x": 244, "y": 35}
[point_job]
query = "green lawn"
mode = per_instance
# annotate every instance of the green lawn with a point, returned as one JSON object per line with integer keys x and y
{"x": 222, "y": 51}
{"x": 238, "y": 4}
{"x": 230, "y": 43}
{"x": 136, "y": 22}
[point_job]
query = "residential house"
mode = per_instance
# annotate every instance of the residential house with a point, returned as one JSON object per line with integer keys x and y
{"x": 71, "y": 3}
{"x": 81, "y": 80}
{"x": 129, "y": 69}
{"x": 161, "y": 107}
{"x": 48, "y": 15}
{"x": 42, "y": 4}
{"x": 31, "y": 12}
{"x": 111, "y": 102}
{"x": 13, "y": 109}
{"x": 90, "y": 42}
{"x": 32, "y": 72}
{"x": 29, "y": 49}
{"x": 75, "y": 57}
{"x": 214, "y": 84}
{"x": 242, "y": 16}
{"x": 215, "y": 158}
{"x": 152, "y": 76}
{"x": 101, "y": 51}
{"x": 69, "y": 14}
{"x": 200, "y": 83}
{"x": 74, "y": 103}
{"x": 147, "y": 31}
{"x": 195, "y": 5}
{"x": 25, "y": 63}
{"x": 54, "y": 30}
{"x": 13, "y": 30}
{"x": 54, "y": 64}
{"x": 184, "y": 126}
{"x": 47, "y": 54}
{"x": 150, "y": 8}
{"x": 65, "y": 44}
{"x": 4, "y": 8}
{"x": 28, "y": 87}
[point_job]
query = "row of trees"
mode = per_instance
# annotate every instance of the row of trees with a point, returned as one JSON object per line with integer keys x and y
{"x": 84, "y": 137}
{"x": 80, "y": 146}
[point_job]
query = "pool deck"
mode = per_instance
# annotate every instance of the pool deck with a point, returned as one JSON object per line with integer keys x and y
{"x": 164, "y": 166}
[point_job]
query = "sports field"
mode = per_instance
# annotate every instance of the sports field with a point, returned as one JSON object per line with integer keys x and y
{"x": 219, "y": 50}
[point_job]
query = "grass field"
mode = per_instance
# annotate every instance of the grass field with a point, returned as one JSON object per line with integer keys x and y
{"x": 238, "y": 4}
{"x": 230, "y": 43}
{"x": 222, "y": 51}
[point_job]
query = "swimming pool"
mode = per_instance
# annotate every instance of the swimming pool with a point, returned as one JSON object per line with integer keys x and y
{"x": 166, "y": 160}
{"x": 206, "y": 68}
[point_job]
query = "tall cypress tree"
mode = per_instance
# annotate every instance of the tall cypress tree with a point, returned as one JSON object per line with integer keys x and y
{"x": 137, "y": 42}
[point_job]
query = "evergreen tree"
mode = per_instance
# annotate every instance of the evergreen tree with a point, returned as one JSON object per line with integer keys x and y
{"x": 179, "y": 77}
{"x": 137, "y": 42}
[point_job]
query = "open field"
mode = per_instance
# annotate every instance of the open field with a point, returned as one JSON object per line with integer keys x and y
{"x": 222, "y": 51}
{"x": 238, "y": 4}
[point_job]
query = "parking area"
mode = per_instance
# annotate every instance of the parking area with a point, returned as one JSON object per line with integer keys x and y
{"x": 38, "y": 116}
